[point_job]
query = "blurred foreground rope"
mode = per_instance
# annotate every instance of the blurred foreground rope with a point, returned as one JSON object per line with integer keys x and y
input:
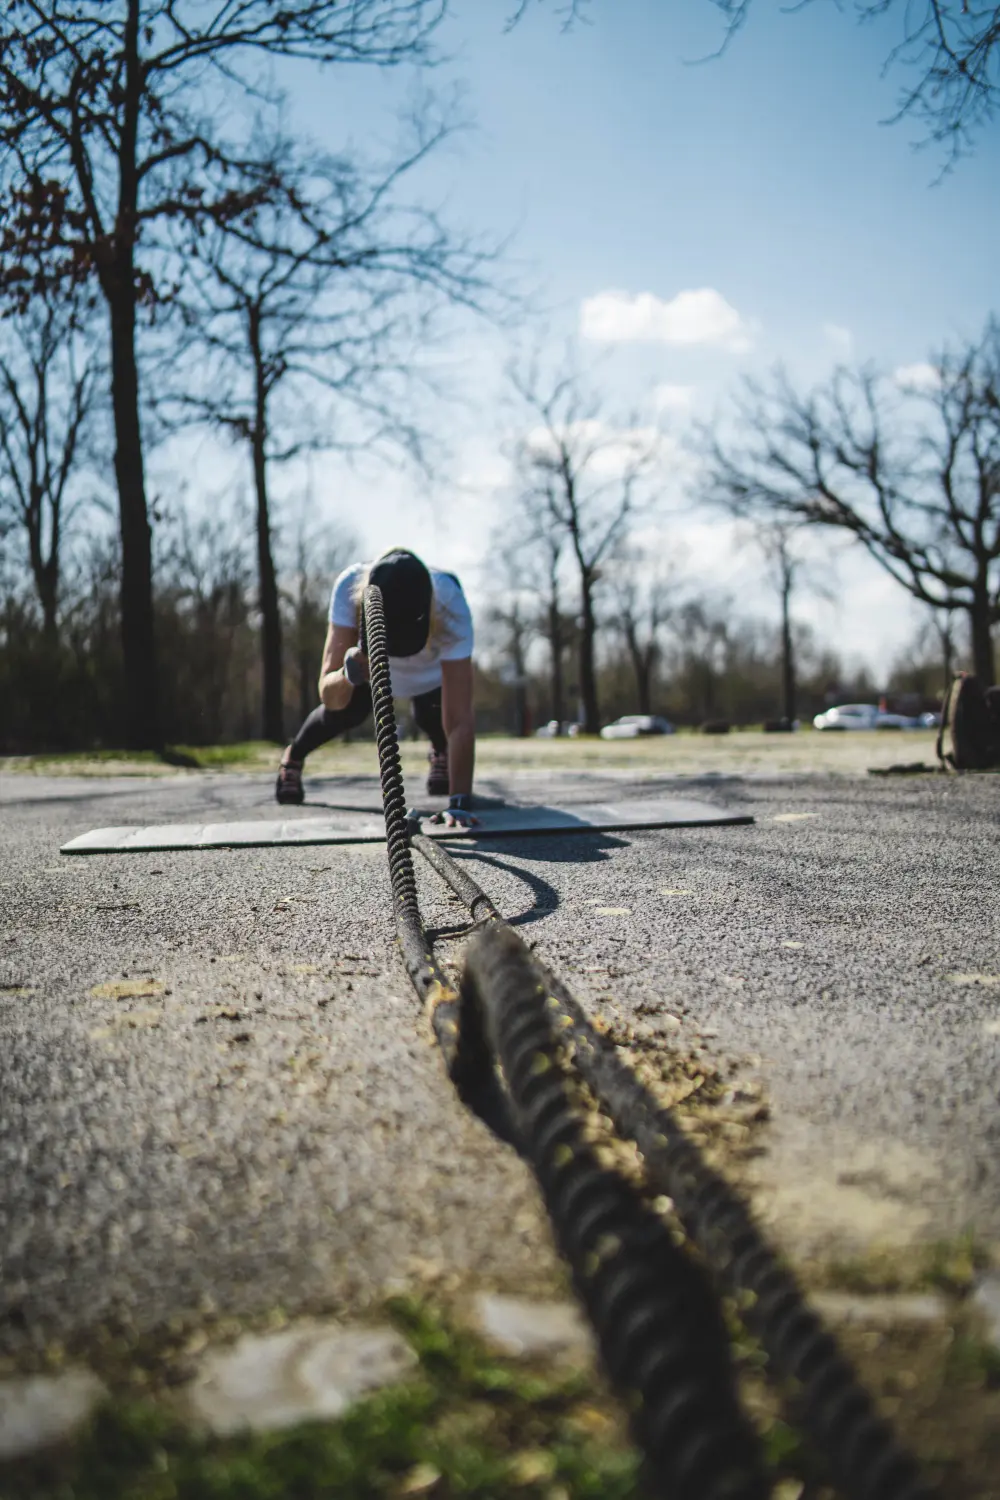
{"x": 652, "y": 1304}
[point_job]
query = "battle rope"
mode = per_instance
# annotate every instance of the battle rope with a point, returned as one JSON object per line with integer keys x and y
{"x": 658, "y": 1325}
{"x": 830, "y": 1403}
{"x": 664, "y": 1345}
{"x": 659, "y": 1330}
{"x": 473, "y": 1076}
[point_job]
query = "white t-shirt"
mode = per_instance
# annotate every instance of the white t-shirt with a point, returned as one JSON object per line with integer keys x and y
{"x": 451, "y": 636}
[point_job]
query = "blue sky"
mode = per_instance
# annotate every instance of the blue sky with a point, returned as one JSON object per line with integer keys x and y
{"x": 621, "y": 165}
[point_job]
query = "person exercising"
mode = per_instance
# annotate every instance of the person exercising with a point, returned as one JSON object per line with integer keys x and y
{"x": 430, "y": 639}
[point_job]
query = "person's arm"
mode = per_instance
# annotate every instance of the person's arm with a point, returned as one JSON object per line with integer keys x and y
{"x": 459, "y": 721}
{"x": 334, "y": 688}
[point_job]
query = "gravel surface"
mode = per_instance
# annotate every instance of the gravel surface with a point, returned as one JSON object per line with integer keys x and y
{"x": 217, "y": 1093}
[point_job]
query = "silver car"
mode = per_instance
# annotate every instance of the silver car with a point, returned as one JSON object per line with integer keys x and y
{"x": 862, "y": 716}
{"x": 631, "y": 726}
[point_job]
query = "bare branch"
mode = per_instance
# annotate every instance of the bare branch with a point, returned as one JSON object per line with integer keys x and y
{"x": 916, "y": 481}
{"x": 950, "y": 49}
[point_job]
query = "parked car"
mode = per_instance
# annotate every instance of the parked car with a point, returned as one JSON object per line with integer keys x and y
{"x": 552, "y": 729}
{"x": 862, "y": 716}
{"x": 631, "y": 726}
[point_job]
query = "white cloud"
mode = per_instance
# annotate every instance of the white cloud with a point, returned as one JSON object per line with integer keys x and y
{"x": 841, "y": 338}
{"x": 692, "y": 317}
{"x": 673, "y": 398}
{"x": 918, "y": 377}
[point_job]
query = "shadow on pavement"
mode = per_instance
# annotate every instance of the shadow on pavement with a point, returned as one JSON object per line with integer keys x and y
{"x": 579, "y": 849}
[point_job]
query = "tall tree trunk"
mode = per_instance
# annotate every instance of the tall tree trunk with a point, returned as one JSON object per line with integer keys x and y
{"x": 520, "y": 677}
{"x": 273, "y": 725}
{"x": 588, "y": 677}
{"x": 270, "y": 613}
{"x": 644, "y": 683}
{"x": 45, "y": 571}
{"x": 641, "y": 666}
{"x": 138, "y": 643}
{"x": 982, "y": 637}
{"x": 556, "y": 649}
{"x": 141, "y": 684}
{"x": 787, "y": 654}
{"x": 947, "y": 650}
{"x": 49, "y": 595}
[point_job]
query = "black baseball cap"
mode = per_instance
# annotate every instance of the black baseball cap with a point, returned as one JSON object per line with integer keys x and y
{"x": 406, "y": 600}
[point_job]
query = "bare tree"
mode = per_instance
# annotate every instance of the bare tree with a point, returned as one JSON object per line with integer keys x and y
{"x": 332, "y": 292}
{"x": 584, "y": 476}
{"x": 950, "y": 49}
{"x": 203, "y": 613}
{"x": 914, "y": 475}
{"x": 943, "y": 621}
{"x": 48, "y": 394}
{"x": 533, "y": 546}
{"x": 644, "y": 601}
{"x": 512, "y": 619}
{"x": 702, "y": 628}
{"x": 775, "y": 541}
{"x": 550, "y": 547}
{"x": 320, "y": 553}
{"x": 114, "y": 121}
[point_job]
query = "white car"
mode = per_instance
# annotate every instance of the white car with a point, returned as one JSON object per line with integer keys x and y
{"x": 631, "y": 726}
{"x": 553, "y": 729}
{"x": 862, "y": 716}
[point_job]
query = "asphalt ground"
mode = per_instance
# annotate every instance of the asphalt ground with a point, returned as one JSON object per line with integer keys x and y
{"x": 218, "y": 1095}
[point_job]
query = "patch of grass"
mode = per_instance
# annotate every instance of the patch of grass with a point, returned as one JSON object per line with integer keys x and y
{"x": 953, "y": 1265}
{"x": 973, "y": 1361}
{"x": 685, "y": 754}
{"x": 247, "y": 752}
{"x": 949, "y": 1266}
{"x": 83, "y": 757}
{"x": 466, "y": 1424}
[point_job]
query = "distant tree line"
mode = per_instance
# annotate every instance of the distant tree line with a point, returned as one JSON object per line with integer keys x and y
{"x": 588, "y": 613}
{"x": 905, "y": 465}
{"x": 173, "y": 262}
{"x": 66, "y": 692}
{"x": 703, "y": 660}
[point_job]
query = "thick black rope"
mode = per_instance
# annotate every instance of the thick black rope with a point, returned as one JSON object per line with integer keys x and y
{"x": 830, "y": 1403}
{"x": 658, "y": 1325}
{"x": 473, "y": 1075}
{"x": 480, "y": 906}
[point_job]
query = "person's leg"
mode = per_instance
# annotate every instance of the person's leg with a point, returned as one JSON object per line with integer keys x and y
{"x": 427, "y": 714}
{"x": 325, "y": 724}
{"x": 322, "y": 724}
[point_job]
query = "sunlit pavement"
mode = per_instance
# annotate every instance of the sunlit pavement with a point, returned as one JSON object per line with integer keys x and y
{"x": 218, "y": 1092}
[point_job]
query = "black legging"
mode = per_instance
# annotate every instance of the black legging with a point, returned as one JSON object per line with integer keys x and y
{"x": 326, "y": 723}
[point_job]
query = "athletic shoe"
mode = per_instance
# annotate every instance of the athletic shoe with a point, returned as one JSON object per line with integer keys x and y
{"x": 438, "y": 783}
{"x": 289, "y": 787}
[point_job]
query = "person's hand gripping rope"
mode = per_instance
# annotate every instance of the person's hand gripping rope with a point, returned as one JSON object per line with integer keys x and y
{"x": 458, "y": 813}
{"x": 356, "y": 666}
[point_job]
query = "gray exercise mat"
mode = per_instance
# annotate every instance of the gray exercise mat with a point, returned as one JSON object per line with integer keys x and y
{"x": 346, "y": 827}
